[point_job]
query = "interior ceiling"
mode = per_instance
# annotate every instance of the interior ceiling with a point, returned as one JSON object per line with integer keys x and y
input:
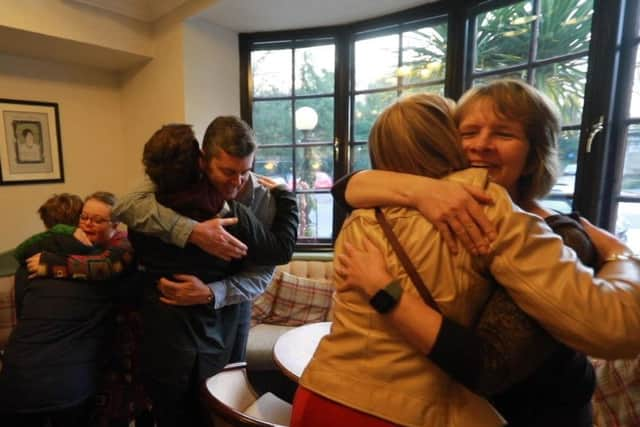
{"x": 263, "y": 15}
{"x": 272, "y": 15}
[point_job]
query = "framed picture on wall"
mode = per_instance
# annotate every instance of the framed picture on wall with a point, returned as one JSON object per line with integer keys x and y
{"x": 30, "y": 145}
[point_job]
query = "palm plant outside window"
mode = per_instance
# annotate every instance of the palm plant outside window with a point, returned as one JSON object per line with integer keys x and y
{"x": 402, "y": 60}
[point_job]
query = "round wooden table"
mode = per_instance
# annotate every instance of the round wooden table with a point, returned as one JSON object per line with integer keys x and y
{"x": 294, "y": 349}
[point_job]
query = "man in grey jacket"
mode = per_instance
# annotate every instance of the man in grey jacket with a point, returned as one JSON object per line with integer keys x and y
{"x": 227, "y": 165}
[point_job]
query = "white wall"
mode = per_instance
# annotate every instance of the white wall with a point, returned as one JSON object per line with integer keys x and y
{"x": 106, "y": 117}
{"x": 152, "y": 95}
{"x": 91, "y": 134}
{"x": 211, "y": 72}
{"x": 192, "y": 78}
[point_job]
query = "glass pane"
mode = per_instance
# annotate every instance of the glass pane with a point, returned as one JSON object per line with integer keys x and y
{"x": 271, "y": 72}
{"x": 272, "y": 122}
{"x": 323, "y": 131}
{"x": 276, "y": 163}
{"x": 565, "y": 27}
{"x": 424, "y": 54}
{"x": 315, "y": 70}
{"x": 564, "y": 83}
{"x": 561, "y": 205}
{"x": 367, "y": 108}
{"x": 503, "y": 36}
{"x": 314, "y": 168}
{"x": 316, "y": 215}
{"x": 360, "y": 157}
{"x": 522, "y": 75}
{"x": 631, "y": 170}
{"x": 628, "y": 224}
{"x": 568, "y": 157}
{"x": 634, "y": 111}
{"x": 438, "y": 89}
{"x": 376, "y": 62}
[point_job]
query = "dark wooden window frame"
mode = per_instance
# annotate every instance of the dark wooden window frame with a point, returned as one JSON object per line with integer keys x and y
{"x": 609, "y": 79}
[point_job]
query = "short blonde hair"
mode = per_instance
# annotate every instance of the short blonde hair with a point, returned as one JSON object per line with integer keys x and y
{"x": 520, "y": 102}
{"x": 417, "y": 135}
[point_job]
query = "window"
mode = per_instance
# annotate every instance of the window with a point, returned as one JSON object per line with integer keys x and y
{"x": 293, "y": 101}
{"x": 404, "y": 59}
{"x": 546, "y": 44}
{"x": 624, "y": 141}
{"x": 580, "y": 53}
{"x": 312, "y": 114}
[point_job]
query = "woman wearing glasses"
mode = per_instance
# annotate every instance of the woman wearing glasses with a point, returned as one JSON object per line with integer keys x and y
{"x": 51, "y": 363}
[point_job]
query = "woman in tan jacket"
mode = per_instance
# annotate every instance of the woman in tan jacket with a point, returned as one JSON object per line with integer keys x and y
{"x": 511, "y": 129}
{"x": 364, "y": 368}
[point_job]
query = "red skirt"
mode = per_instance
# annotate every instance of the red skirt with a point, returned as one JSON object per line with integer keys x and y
{"x": 312, "y": 410}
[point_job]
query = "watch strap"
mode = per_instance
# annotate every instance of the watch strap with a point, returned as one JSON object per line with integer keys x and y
{"x": 387, "y": 298}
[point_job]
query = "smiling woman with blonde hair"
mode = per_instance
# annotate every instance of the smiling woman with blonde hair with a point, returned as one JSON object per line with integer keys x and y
{"x": 511, "y": 129}
{"x": 365, "y": 372}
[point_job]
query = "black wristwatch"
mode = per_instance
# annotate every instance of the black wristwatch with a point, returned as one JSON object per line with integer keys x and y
{"x": 387, "y": 298}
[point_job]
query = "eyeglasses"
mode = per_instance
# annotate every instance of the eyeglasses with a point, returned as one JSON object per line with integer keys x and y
{"x": 97, "y": 220}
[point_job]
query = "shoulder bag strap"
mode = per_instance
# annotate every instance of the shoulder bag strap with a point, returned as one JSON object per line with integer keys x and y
{"x": 406, "y": 262}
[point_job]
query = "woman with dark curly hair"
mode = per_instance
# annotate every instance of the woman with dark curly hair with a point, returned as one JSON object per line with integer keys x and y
{"x": 184, "y": 344}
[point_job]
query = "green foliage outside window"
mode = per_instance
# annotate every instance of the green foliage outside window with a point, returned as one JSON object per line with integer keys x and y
{"x": 503, "y": 39}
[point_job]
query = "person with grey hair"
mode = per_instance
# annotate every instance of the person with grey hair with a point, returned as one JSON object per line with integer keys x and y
{"x": 214, "y": 304}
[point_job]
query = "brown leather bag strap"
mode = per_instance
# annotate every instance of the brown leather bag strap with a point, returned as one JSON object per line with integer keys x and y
{"x": 406, "y": 262}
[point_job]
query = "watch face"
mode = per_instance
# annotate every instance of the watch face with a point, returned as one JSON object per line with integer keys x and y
{"x": 382, "y": 301}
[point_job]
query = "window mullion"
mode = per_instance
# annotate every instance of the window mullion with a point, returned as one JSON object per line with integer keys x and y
{"x": 458, "y": 30}
{"x": 341, "y": 118}
{"x": 533, "y": 43}
{"x": 593, "y": 195}
{"x": 620, "y": 120}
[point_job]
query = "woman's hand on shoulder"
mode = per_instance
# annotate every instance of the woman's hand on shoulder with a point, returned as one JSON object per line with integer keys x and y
{"x": 362, "y": 269}
{"x": 456, "y": 211}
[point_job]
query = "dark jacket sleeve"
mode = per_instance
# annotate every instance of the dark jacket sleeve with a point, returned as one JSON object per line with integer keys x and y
{"x": 53, "y": 241}
{"x": 507, "y": 345}
{"x": 339, "y": 191}
{"x": 268, "y": 245}
{"x": 23, "y": 247}
{"x": 57, "y": 242}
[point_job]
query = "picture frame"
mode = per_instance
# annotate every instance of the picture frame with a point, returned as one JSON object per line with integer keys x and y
{"x": 30, "y": 143}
